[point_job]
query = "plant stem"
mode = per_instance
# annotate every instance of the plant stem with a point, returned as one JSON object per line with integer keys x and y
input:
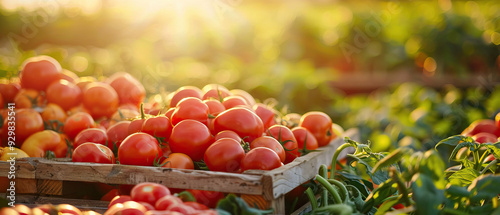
{"x": 323, "y": 171}
{"x": 335, "y": 156}
{"x": 312, "y": 198}
{"x": 330, "y": 188}
{"x": 492, "y": 163}
{"x": 342, "y": 188}
{"x": 401, "y": 186}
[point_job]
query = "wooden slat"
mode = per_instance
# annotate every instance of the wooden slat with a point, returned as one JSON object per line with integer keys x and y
{"x": 175, "y": 178}
{"x": 26, "y": 186}
{"x": 49, "y": 187}
{"x": 82, "y": 204}
{"x": 25, "y": 168}
{"x": 304, "y": 168}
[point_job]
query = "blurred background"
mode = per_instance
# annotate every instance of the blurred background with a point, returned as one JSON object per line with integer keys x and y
{"x": 417, "y": 69}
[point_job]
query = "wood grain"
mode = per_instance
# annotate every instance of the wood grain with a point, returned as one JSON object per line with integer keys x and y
{"x": 83, "y": 204}
{"x": 24, "y": 168}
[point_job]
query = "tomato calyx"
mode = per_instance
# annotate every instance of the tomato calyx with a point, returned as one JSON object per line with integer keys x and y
{"x": 304, "y": 150}
{"x": 283, "y": 142}
{"x": 157, "y": 161}
{"x": 201, "y": 165}
{"x": 69, "y": 151}
{"x": 54, "y": 125}
{"x": 210, "y": 116}
{"x": 186, "y": 196}
{"x": 49, "y": 155}
{"x": 244, "y": 144}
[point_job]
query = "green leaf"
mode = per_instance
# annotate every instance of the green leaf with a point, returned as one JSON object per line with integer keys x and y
{"x": 493, "y": 149}
{"x": 427, "y": 197}
{"x": 454, "y": 140}
{"x": 391, "y": 159}
{"x": 387, "y": 205}
{"x": 458, "y": 147}
{"x": 433, "y": 166}
{"x": 370, "y": 160}
{"x": 378, "y": 195}
{"x": 235, "y": 205}
{"x": 463, "y": 177}
{"x": 484, "y": 187}
{"x": 457, "y": 191}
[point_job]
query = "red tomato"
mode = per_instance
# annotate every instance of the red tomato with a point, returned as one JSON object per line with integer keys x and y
{"x": 147, "y": 205}
{"x": 93, "y": 135}
{"x": 117, "y": 133}
{"x": 8, "y": 211}
{"x": 260, "y": 158}
{"x": 166, "y": 201}
{"x": 266, "y": 114}
{"x": 52, "y": 114}
{"x": 191, "y": 138}
{"x": 169, "y": 112}
{"x": 497, "y": 119}
{"x": 110, "y": 195}
{"x": 216, "y": 93}
{"x": 40, "y": 71}
{"x": 22, "y": 209}
{"x": 76, "y": 123}
{"x": 139, "y": 149}
{"x": 490, "y": 158}
{"x": 240, "y": 120}
{"x": 271, "y": 143}
{"x": 100, "y": 99}
{"x": 320, "y": 125}
{"x": 196, "y": 205}
{"x": 129, "y": 89}
{"x": 484, "y": 137}
{"x": 286, "y": 138}
{"x": 126, "y": 208}
{"x": 178, "y": 161}
{"x": 214, "y": 106}
{"x": 149, "y": 192}
{"x": 64, "y": 94}
{"x": 185, "y": 92}
{"x": 9, "y": 90}
{"x": 305, "y": 138}
{"x": 119, "y": 199}
{"x": 208, "y": 198}
{"x": 159, "y": 127}
{"x": 28, "y": 98}
{"x": 214, "y": 87}
{"x": 228, "y": 134}
{"x": 234, "y": 101}
{"x": 65, "y": 209}
{"x": 482, "y": 125}
{"x": 27, "y": 122}
{"x": 84, "y": 81}
{"x": 190, "y": 108}
{"x": 244, "y": 94}
{"x": 69, "y": 76}
{"x": 224, "y": 155}
{"x": 181, "y": 208}
{"x": 40, "y": 142}
{"x": 93, "y": 153}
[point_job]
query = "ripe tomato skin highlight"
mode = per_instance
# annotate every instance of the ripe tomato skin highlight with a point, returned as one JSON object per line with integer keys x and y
{"x": 286, "y": 138}
{"x": 149, "y": 192}
{"x": 228, "y": 134}
{"x": 214, "y": 106}
{"x": 27, "y": 122}
{"x": 208, "y": 198}
{"x": 9, "y": 90}
{"x": 40, "y": 142}
{"x": 158, "y": 126}
{"x": 484, "y": 137}
{"x": 117, "y": 133}
{"x": 178, "y": 161}
{"x": 64, "y": 94}
{"x": 233, "y": 101}
{"x": 217, "y": 93}
{"x": 240, "y": 120}
{"x": 260, "y": 158}
{"x": 302, "y": 135}
{"x": 166, "y": 201}
{"x": 76, "y": 123}
{"x": 38, "y": 72}
{"x": 100, "y": 99}
{"x": 119, "y": 199}
{"x": 93, "y": 153}
{"x": 190, "y": 137}
{"x": 139, "y": 149}
{"x": 319, "y": 124}
{"x": 185, "y": 92}
{"x": 266, "y": 115}
{"x": 129, "y": 89}
{"x": 224, "y": 155}
{"x": 482, "y": 125}
{"x": 190, "y": 108}
{"x": 271, "y": 143}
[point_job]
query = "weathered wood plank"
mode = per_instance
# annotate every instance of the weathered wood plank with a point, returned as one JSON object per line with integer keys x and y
{"x": 24, "y": 168}
{"x": 49, "y": 187}
{"x": 175, "y": 178}
{"x": 82, "y": 204}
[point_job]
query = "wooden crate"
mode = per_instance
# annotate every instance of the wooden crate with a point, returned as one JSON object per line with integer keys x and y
{"x": 42, "y": 181}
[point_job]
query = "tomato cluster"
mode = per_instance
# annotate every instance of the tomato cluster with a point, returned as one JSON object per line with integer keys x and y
{"x": 483, "y": 131}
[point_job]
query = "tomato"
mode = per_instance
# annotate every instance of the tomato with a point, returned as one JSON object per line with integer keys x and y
{"x": 484, "y": 137}
{"x": 124, "y": 114}
{"x": 149, "y": 192}
{"x": 286, "y": 138}
{"x": 22, "y": 209}
{"x": 271, "y": 143}
{"x": 497, "y": 118}
{"x": 244, "y": 94}
{"x": 139, "y": 149}
{"x": 214, "y": 87}
{"x": 398, "y": 206}
{"x": 169, "y": 112}
{"x": 181, "y": 208}
{"x": 482, "y": 125}
{"x": 9, "y": 90}
{"x": 2, "y": 105}
{"x": 178, "y": 161}
{"x": 129, "y": 89}
{"x": 69, "y": 76}
{"x": 305, "y": 138}
{"x": 117, "y": 133}
{"x": 126, "y": 208}
{"x": 93, "y": 135}
{"x": 185, "y": 92}
{"x": 64, "y": 94}
{"x": 76, "y": 109}
{"x": 320, "y": 125}
{"x": 53, "y": 115}
{"x": 76, "y": 123}
{"x": 8, "y": 211}
{"x": 208, "y": 198}
{"x": 65, "y": 209}
{"x": 27, "y": 122}
{"x": 9, "y": 153}
{"x": 110, "y": 195}
{"x": 228, "y": 134}
{"x": 190, "y": 108}
{"x": 240, "y": 120}
{"x": 214, "y": 107}
{"x": 28, "y": 98}
{"x": 84, "y": 81}
{"x": 191, "y": 138}
{"x": 119, "y": 199}
{"x": 93, "y": 153}
{"x": 224, "y": 155}
{"x": 217, "y": 93}
{"x": 166, "y": 201}
{"x": 40, "y": 142}
{"x": 490, "y": 158}
{"x": 196, "y": 205}
{"x": 100, "y": 99}
{"x": 266, "y": 114}
{"x": 158, "y": 126}
{"x": 38, "y": 72}
{"x": 260, "y": 158}
{"x": 234, "y": 101}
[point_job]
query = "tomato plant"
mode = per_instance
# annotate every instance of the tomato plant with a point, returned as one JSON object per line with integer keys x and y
{"x": 190, "y": 137}
{"x": 139, "y": 149}
{"x": 224, "y": 155}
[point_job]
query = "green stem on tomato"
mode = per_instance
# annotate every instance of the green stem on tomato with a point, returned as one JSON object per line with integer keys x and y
{"x": 323, "y": 171}
{"x": 312, "y": 198}
{"x": 401, "y": 186}
{"x": 335, "y": 156}
{"x": 341, "y": 187}
{"x": 143, "y": 115}
{"x": 330, "y": 188}
{"x": 492, "y": 163}
{"x": 475, "y": 153}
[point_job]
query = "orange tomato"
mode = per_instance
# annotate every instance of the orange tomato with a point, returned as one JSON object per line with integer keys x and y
{"x": 40, "y": 71}
{"x": 100, "y": 99}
